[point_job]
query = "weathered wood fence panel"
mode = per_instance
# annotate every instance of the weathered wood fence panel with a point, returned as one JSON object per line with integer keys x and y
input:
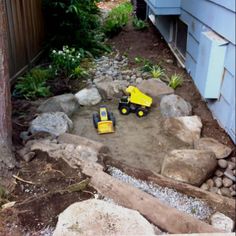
{"x": 25, "y": 33}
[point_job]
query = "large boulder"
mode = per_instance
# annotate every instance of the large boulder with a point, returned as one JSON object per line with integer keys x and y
{"x": 189, "y": 166}
{"x": 109, "y": 88}
{"x": 66, "y": 103}
{"x": 221, "y": 151}
{"x": 54, "y": 123}
{"x": 175, "y": 106}
{"x": 185, "y": 128}
{"x": 97, "y": 217}
{"x": 154, "y": 88}
{"x": 88, "y": 96}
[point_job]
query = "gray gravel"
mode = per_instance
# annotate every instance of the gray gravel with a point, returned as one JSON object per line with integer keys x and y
{"x": 182, "y": 202}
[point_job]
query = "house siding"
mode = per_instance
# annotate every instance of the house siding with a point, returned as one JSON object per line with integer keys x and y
{"x": 202, "y": 16}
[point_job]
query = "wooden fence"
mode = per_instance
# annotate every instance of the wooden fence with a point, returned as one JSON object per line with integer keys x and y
{"x": 25, "y": 35}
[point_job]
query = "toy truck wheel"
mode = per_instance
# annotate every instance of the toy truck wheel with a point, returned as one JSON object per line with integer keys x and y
{"x": 95, "y": 120}
{"x": 140, "y": 112}
{"x": 112, "y": 118}
{"x": 124, "y": 110}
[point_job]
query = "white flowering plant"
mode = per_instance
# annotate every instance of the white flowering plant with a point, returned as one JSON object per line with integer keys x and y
{"x": 65, "y": 61}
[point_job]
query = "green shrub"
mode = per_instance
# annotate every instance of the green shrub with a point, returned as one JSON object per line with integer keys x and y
{"x": 148, "y": 66}
{"x": 139, "y": 24}
{"x": 175, "y": 81}
{"x": 117, "y": 18}
{"x": 157, "y": 72}
{"x": 33, "y": 84}
{"x": 66, "y": 60}
{"x": 75, "y": 23}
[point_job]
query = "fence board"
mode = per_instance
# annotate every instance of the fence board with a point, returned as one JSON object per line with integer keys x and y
{"x": 25, "y": 33}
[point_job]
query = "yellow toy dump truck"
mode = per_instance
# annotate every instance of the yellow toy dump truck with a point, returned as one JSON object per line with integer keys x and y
{"x": 104, "y": 121}
{"x": 137, "y": 102}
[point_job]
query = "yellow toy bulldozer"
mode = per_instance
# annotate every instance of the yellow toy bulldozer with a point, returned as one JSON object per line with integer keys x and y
{"x": 104, "y": 121}
{"x": 137, "y": 102}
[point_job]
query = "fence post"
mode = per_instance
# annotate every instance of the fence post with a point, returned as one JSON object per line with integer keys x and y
{"x": 7, "y": 160}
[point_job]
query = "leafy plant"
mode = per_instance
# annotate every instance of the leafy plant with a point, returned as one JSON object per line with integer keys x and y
{"x": 65, "y": 61}
{"x": 147, "y": 67}
{"x": 139, "y": 24}
{"x": 117, "y": 19}
{"x": 138, "y": 59}
{"x": 79, "y": 72}
{"x": 33, "y": 84}
{"x": 175, "y": 81}
{"x": 76, "y": 23}
{"x": 157, "y": 72}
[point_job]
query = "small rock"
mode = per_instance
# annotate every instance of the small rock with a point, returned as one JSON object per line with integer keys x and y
{"x": 222, "y": 163}
{"x": 29, "y": 156}
{"x": 139, "y": 80}
{"x": 169, "y": 61}
{"x": 210, "y": 183}
{"x": 230, "y": 174}
{"x": 233, "y": 159}
{"x": 233, "y": 186}
{"x": 214, "y": 190}
{"x": 185, "y": 128}
{"x": 233, "y": 193}
{"x": 223, "y": 222}
{"x": 231, "y": 165}
{"x": 227, "y": 182}
{"x": 210, "y": 144}
{"x": 218, "y": 182}
{"x": 219, "y": 173}
{"x": 204, "y": 187}
{"x": 175, "y": 106}
{"x": 54, "y": 123}
{"x": 88, "y": 96}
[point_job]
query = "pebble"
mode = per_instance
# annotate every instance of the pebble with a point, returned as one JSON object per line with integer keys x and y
{"x": 139, "y": 80}
{"x": 230, "y": 174}
{"x": 204, "y": 187}
{"x": 225, "y": 192}
{"x": 184, "y": 203}
{"x": 210, "y": 183}
{"x": 169, "y": 61}
{"x": 231, "y": 165}
{"x": 233, "y": 159}
{"x": 222, "y": 163}
{"x": 219, "y": 173}
{"x": 233, "y": 193}
{"x": 234, "y": 186}
{"x": 214, "y": 189}
{"x": 227, "y": 182}
{"x": 218, "y": 182}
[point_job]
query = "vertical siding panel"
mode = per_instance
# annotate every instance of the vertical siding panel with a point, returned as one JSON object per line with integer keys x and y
{"x": 26, "y": 32}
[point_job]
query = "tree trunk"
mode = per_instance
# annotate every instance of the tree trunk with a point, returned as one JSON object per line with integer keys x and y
{"x": 7, "y": 160}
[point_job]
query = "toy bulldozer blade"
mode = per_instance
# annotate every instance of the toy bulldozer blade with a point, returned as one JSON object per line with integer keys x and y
{"x": 105, "y": 127}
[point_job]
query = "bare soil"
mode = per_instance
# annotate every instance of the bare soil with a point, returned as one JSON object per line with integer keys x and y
{"x": 39, "y": 203}
{"x": 139, "y": 142}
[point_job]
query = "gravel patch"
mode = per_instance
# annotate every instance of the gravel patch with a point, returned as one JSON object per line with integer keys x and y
{"x": 182, "y": 202}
